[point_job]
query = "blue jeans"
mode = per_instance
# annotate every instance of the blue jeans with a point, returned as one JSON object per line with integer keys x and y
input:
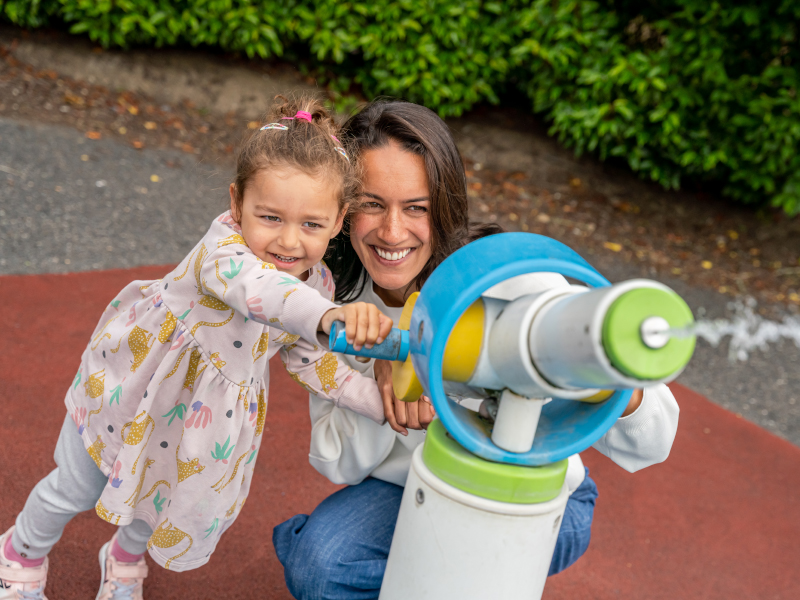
{"x": 339, "y": 552}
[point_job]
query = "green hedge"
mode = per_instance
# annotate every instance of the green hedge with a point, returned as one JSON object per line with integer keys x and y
{"x": 678, "y": 89}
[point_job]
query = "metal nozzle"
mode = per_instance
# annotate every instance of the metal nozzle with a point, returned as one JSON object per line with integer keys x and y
{"x": 655, "y": 332}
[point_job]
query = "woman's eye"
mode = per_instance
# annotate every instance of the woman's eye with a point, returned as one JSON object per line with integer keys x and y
{"x": 371, "y": 205}
{"x": 417, "y": 209}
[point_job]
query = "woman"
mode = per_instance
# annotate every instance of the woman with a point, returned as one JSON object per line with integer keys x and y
{"x": 414, "y": 215}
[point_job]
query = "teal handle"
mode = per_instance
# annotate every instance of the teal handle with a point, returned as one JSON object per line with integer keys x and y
{"x": 394, "y": 347}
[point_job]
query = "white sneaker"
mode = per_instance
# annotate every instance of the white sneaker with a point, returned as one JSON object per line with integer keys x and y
{"x": 18, "y": 582}
{"x": 119, "y": 580}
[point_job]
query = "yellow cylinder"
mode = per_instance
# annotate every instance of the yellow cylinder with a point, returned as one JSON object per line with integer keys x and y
{"x": 464, "y": 345}
{"x": 461, "y": 353}
{"x": 404, "y": 380}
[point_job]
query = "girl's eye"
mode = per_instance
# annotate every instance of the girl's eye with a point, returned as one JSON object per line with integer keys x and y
{"x": 312, "y": 225}
{"x": 272, "y": 218}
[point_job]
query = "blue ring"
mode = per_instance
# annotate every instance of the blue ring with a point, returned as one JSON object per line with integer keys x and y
{"x": 566, "y": 427}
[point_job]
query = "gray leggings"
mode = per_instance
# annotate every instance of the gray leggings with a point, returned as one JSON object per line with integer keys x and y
{"x": 73, "y": 486}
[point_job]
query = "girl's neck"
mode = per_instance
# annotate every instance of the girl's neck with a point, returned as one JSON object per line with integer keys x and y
{"x": 393, "y": 298}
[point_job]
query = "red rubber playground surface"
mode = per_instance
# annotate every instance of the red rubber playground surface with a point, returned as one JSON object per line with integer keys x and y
{"x": 719, "y": 520}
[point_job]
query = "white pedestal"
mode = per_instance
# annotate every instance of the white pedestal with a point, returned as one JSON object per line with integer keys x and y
{"x": 451, "y": 545}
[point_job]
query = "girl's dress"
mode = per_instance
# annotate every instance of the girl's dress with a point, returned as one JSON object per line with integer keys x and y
{"x": 171, "y": 394}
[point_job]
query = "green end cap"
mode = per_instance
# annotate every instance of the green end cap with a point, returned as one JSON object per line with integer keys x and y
{"x": 515, "y": 484}
{"x": 622, "y": 336}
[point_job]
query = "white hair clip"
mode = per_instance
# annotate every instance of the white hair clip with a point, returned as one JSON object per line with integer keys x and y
{"x": 341, "y": 151}
{"x": 274, "y": 126}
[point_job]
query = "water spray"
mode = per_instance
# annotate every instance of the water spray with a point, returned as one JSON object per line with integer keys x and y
{"x": 747, "y": 330}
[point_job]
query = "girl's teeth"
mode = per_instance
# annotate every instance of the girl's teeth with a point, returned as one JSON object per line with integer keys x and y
{"x": 392, "y": 255}
{"x": 285, "y": 258}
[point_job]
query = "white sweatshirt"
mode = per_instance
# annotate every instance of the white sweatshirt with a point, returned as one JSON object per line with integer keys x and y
{"x": 347, "y": 448}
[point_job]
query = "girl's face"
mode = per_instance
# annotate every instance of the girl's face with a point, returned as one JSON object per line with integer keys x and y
{"x": 288, "y": 218}
{"x": 391, "y": 232}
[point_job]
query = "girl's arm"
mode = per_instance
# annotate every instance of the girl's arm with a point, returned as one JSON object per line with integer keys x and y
{"x": 325, "y": 376}
{"x": 233, "y": 274}
{"x": 346, "y": 447}
{"x": 645, "y": 436}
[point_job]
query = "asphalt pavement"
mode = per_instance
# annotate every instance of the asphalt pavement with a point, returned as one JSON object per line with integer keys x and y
{"x": 68, "y": 203}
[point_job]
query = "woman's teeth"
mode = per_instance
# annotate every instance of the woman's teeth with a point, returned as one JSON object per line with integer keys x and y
{"x": 392, "y": 255}
{"x": 286, "y": 259}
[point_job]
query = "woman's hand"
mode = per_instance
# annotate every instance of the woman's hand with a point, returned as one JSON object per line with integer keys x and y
{"x": 399, "y": 414}
{"x": 364, "y": 324}
{"x": 635, "y": 401}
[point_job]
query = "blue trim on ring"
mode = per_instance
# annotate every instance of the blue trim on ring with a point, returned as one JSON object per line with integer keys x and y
{"x": 565, "y": 427}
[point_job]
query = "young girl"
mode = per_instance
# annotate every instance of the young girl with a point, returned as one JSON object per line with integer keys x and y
{"x": 169, "y": 401}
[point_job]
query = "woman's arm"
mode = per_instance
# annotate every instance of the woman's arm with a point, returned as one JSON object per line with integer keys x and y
{"x": 644, "y": 437}
{"x": 346, "y": 447}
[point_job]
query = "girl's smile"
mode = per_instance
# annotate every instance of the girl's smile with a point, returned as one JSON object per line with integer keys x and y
{"x": 286, "y": 261}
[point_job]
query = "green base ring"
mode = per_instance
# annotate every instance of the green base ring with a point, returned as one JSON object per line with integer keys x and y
{"x": 514, "y": 484}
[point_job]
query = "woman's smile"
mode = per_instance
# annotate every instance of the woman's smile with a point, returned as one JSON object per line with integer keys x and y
{"x": 392, "y": 255}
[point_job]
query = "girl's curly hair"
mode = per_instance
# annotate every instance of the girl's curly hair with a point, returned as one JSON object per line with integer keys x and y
{"x": 309, "y": 147}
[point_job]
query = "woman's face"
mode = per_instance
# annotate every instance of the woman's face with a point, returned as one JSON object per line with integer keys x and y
{"x": 391, "y": 233}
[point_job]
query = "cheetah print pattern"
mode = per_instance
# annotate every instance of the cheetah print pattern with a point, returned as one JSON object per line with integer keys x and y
{"x": 184, "y": 363}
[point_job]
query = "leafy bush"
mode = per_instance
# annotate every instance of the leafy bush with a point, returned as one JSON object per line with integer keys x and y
{"x": 706, "y": 92}
{"x": 678, "y": 89}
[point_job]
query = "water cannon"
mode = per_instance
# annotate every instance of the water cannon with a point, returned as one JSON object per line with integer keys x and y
{"x": 483, "y": 326}
{"x": 556, "y": 362}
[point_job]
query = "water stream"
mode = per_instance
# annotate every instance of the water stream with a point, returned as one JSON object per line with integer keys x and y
{"x": 747, "y": 330}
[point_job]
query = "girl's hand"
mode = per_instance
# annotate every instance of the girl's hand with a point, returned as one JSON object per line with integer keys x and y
{"x": 364, "y": 324}
{"x": 399, "y": 414}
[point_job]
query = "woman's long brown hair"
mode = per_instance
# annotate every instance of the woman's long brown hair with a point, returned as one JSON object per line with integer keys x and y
{"x": 420, "y": 131}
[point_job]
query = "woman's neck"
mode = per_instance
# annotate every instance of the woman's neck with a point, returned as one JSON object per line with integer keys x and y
{"x": 394, "y": 298}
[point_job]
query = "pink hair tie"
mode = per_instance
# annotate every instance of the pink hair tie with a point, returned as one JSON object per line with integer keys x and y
{"x": 301, "y": 114}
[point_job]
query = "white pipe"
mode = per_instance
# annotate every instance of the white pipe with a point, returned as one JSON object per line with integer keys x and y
{"x": 566, "y": 339}
{"x": 509, "y": 351}
{"x": 516, "y": 421}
